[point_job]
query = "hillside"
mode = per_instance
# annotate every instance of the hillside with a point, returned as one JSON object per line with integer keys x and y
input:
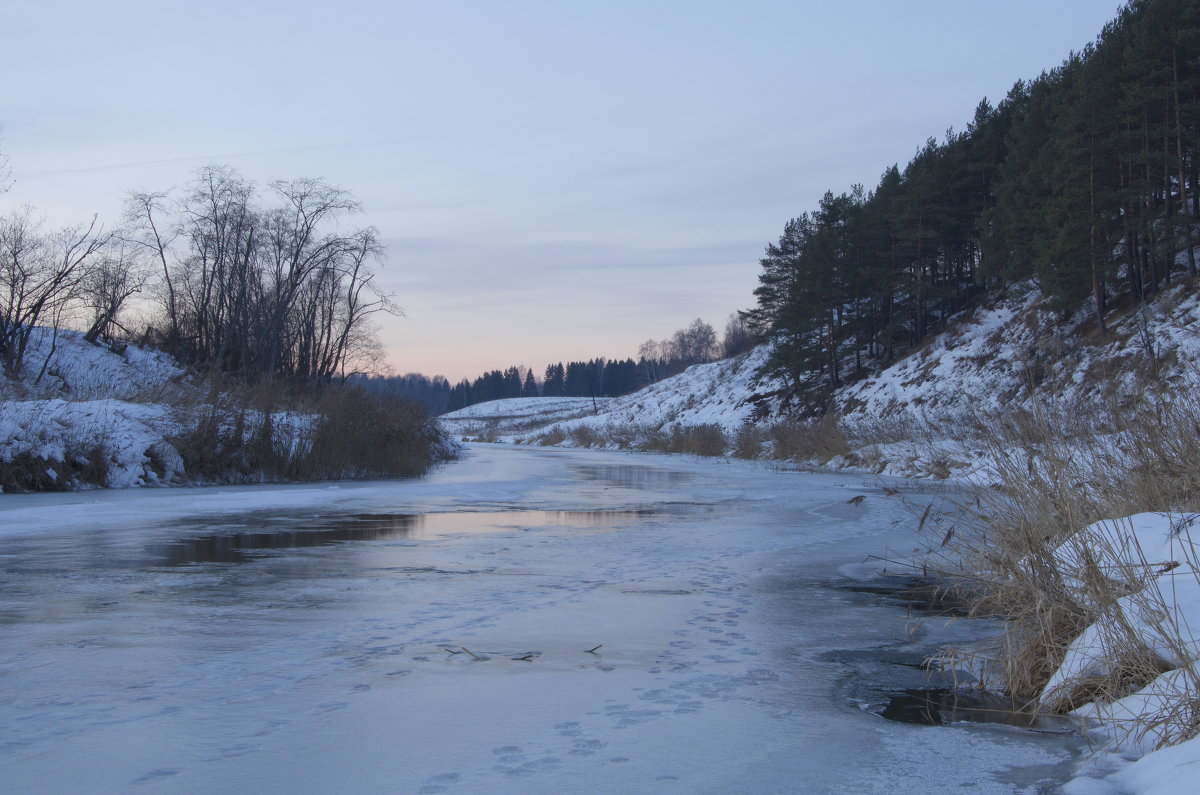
{"x": 1012, "y": 354}
{"x": 720, "y": 393}
{"x": 85, "y": 415}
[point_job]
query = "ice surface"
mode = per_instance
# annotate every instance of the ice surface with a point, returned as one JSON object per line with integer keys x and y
{"x": 573, "y": 621}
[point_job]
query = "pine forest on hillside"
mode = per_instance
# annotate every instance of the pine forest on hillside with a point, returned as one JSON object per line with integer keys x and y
{"x": 1085, "y": 179}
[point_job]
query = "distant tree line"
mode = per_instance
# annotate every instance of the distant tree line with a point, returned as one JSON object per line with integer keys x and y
{"x": 1085, "y": 179}
{"x": 431, "y": 392}
{"x": 594, "y": 378}
{"x": 695, "y": 344}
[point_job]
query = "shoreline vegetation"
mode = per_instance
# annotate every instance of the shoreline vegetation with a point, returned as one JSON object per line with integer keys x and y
{"x": 107, "y": 417}
{"x": 209, "y": 339}
{"x": 335, "y": 433}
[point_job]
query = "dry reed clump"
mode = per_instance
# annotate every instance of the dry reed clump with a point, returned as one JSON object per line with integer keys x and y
{"x": 360, "y": 435}
{"x": 228, "y": 431}
{"x": 749, "y": 442}
{"x": 585, "y": 436}
{"x": 554, "y": 436}
{"x": 796, "y": 441}
{"x": 261, "y": 433}
{"x": 1027, "y": 549}
{"x": 652, "y": 440}
{"x": 808, "y": 441}
{"x": 84, "y": 466}
{"x": 703, "y": 440}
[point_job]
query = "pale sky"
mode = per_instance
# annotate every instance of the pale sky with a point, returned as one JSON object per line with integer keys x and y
{"x": 553, "y": 180}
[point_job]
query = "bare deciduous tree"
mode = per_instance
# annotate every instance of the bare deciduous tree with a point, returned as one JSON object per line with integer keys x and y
{"x": 116, "y": 275}
{"x": 738, "y": 337}
{"x": 40, "y": 273}
{"x": 261, "y": 291}
{"x": 144, "y": 215}
{"x": 695, "y": 344}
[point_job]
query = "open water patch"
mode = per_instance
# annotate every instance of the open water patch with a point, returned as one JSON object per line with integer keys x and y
{"x": 939, "y": 706}
{"x": 918, "y": 594}
{"x": 901, "y": 684}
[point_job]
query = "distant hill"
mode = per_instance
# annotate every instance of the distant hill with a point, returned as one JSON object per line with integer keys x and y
{"x": 1012, "y": 354}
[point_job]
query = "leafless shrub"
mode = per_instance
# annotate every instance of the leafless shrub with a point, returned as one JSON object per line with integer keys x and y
{"x": 585, "y": 436}
{"x": 555, "y": 435}
{"x": 28, "y": 472}
{"x": 808, "y": 441}
{"x": 703, "y": 440}
{"x": 748, "y": 442}
{"x": 264, "y": 433}
{"x": 360, "y": 435}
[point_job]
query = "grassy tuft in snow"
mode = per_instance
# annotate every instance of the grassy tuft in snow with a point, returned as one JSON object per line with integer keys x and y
{"x": 1095, "y": 609}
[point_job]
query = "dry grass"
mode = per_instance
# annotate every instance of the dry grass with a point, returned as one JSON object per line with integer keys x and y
{"x": 549, "y": 438}
{"x": 360, "y": 435}
{"x": 82, "y": 466}
{"x": 805, "y": 442}
{"x": 1023, "y": 551}
{"x": 818, "y": 441}
{"x": 260, "y": 433}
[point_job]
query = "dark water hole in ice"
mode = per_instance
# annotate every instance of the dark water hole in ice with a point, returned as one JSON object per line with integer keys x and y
{"x": 925, "y": 595}
{"x": 936, "y": 706}
{"x": 899, "y": 684}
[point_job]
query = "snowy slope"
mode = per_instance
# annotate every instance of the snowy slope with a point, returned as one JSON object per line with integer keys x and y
{"x": 1015, "y": 351}
{"x": 505, "y": 418}
{"x": 90, "y": 415}
{"x": 719, "y": 393}
{"x": 63, "y": 365}
{"x": 1010, "y": 354}
{"x": 86, "y": 416}
{"x": 722, "y": 393}
{"x": 1161, "y": 615}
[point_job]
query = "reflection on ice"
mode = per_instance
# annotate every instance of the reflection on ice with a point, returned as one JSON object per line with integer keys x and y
{"x": 282, "y": 533}
{"x": 632, "y": 476}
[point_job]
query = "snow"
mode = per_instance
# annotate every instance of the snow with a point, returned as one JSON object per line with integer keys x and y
{"x": 505, "y": 417}
{"x": 1152, "y": 555}
{"x": 1012, "y": 355}
{"x": 1002, "y": 357}
{"x": 113, "y": 409}
{"x": 130, "y": 436}
{"x": 78, "y": 402}
{"x": 720, "y": 393}
{"x": 75, "y": 368}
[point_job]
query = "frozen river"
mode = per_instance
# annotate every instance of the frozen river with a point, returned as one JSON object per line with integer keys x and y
{"x": 524, "y": 620}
